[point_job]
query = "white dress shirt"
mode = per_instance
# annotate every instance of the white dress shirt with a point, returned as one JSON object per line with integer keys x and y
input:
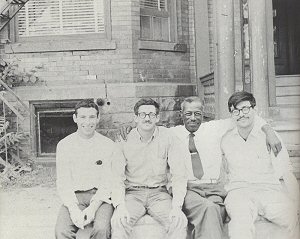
{"x": 249, "y": 163}
{"x": 84, "y": 164}
{"x": 207, "y": 140}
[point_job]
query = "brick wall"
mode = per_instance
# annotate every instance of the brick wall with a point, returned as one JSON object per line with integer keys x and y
{"x": 122, "y": 72}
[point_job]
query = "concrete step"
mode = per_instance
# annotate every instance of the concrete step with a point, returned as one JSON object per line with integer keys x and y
{"x": 288, "y": 100}
{"x": 148, "y": 228}
{"x": 285, "y": 112}
{"x": 288, "y": 80}
{"x": 287, "y": 90}
{"x": 288, "y": 130}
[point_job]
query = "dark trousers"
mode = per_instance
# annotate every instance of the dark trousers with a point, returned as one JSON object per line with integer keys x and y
{"x": 65, "y": 228}
{"x": 205, "y": 210}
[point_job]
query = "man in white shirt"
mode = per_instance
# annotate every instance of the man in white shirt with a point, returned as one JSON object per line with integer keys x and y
{"x": 203, "y": 203}
{"x": 257, "y": 178}
{"x": 83, "y": 163}
{"x": 141, "y": 177}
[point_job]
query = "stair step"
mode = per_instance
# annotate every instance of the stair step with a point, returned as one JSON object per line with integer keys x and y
{"x": 293, "y": 149}
{"x": 285, "y": 112}
{"x": 289, "y": 131}
{"x": 287, "y": 90}
{"x": 284, "y": 125}
{"x": 288, "y": 100}
{"x": 288, "y": 80}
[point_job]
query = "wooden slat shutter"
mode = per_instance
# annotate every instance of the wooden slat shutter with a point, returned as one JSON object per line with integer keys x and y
{"x": 61, "y": 17}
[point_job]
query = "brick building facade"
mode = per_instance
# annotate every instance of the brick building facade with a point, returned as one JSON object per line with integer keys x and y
{"x": 119, "y": 66}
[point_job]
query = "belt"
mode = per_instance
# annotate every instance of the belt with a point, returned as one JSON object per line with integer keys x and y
{"x": 147, "y": 187}
{"x": 208, "y": 181}
{"x": 93, "y": 190}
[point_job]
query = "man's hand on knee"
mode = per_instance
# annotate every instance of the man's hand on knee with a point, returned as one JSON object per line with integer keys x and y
{"x": 121, "y": 216}
{"x": 177, "y": 219}
{"x": 77, "y": 216}
{"x": 89, "y": 213}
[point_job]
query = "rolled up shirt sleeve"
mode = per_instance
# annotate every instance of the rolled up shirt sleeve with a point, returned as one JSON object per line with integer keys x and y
{"x": 176, "y": 161}
{"x": 118, "y": 176}
{"x": 64, "y": 177}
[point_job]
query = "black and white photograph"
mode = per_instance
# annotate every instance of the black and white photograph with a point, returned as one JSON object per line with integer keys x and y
{"x": 149, "y": 119}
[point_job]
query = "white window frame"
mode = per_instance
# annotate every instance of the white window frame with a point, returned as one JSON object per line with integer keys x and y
{"x": 106, "y": 34}
{"x": 172, "y": 17}
{"x": 56, "y": 43}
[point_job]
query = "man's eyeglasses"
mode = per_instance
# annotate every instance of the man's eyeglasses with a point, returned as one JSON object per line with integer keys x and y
{"x": 190, "y": 113}
{"x": 143, "y": 115}
{"x": 245, "y": 110}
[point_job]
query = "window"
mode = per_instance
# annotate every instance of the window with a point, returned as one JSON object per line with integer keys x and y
{"x": 61, "y": 17}
{"x": 52, "y": 122}
{"x": 157, "y": 19}
{"x": 53, "y": 125}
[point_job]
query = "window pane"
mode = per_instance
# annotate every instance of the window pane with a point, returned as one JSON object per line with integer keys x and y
{"x": 60, "y": 17}
{"x": 145, "y": 27}
{"x": 160, "y": 29}
{"x": 154, "y": 4}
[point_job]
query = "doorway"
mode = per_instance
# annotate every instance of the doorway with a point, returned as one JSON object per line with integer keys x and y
{"x": 286, "y": 29}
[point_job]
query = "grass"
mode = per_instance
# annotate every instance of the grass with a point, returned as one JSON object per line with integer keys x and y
{"x": 45, "y": 176}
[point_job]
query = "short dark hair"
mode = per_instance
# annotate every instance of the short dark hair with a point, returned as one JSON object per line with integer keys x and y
{"x": 145, "y": 101}
{"x": 240, "y": 96}
{"x": 86, "y": 103}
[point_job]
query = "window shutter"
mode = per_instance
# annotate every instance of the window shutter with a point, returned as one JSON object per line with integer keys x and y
{"x": 61, "y": 17}
{"x": 154, "y": 4}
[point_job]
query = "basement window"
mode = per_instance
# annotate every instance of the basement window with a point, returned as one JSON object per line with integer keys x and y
{"x": 53, "y": 125}
{"x": 53, "y": 121}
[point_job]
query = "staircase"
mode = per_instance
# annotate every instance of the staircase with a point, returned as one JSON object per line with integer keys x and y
{"x": 8, "y": 9}
{"x": 286, "y": 116}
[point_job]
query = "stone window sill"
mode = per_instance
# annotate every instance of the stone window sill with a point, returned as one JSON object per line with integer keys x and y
{"x": 162, "y": 46}
{"x": 60, "y": 45}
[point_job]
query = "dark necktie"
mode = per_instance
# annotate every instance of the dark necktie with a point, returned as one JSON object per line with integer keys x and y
{"x": 196, "y": 161}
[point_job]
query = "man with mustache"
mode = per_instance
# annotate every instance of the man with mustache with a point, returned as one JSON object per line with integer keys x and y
{"x": 141, "y": 177}
{"x": 203, "y": 204}
{"x": 256, "y": 177}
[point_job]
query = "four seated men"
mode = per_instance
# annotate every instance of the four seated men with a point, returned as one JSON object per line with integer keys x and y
{"x": 171, "y": 174}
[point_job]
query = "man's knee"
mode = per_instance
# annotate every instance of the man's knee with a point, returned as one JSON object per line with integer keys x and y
{"x": 101, "y": 231}
{"x": 64, "y": 231}
{"x": 212, "y": 208}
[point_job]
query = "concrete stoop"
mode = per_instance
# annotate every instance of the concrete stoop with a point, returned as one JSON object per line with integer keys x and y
{"x": 148, "y": 228}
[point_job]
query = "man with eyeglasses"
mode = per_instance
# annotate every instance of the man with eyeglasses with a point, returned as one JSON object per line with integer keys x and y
{"x": 203, "y": 204}
{"x": 141, "y": 178}
{"x": 256, "y": 177}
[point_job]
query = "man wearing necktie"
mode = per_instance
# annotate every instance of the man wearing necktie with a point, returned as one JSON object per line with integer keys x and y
{"x": 204, "y": 201}
{"x": 203, "y": 204}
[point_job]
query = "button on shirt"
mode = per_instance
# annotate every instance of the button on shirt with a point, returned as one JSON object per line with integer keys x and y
{"x": 148, "y": 164}
{"x": 84, "y": 164}
{"x": 249, "y": 163}
{"x": 207, "y": 140}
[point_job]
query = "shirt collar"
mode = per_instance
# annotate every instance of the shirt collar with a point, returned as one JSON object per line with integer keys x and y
{"x": 187, "y": 133}
{"x": 137, "y": 135}
{"x": 253, "y": 133}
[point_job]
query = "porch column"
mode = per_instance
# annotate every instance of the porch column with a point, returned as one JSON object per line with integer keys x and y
{"x": 259, "y": 53}
{"x": 224, "y": 69}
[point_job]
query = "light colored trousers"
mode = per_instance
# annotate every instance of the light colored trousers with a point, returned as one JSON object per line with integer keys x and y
{"x": 65, "y": 228}
{"x": 205, "y": 211}
{"x": 244, "y": 205}
{"x": 155, "y": 202}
